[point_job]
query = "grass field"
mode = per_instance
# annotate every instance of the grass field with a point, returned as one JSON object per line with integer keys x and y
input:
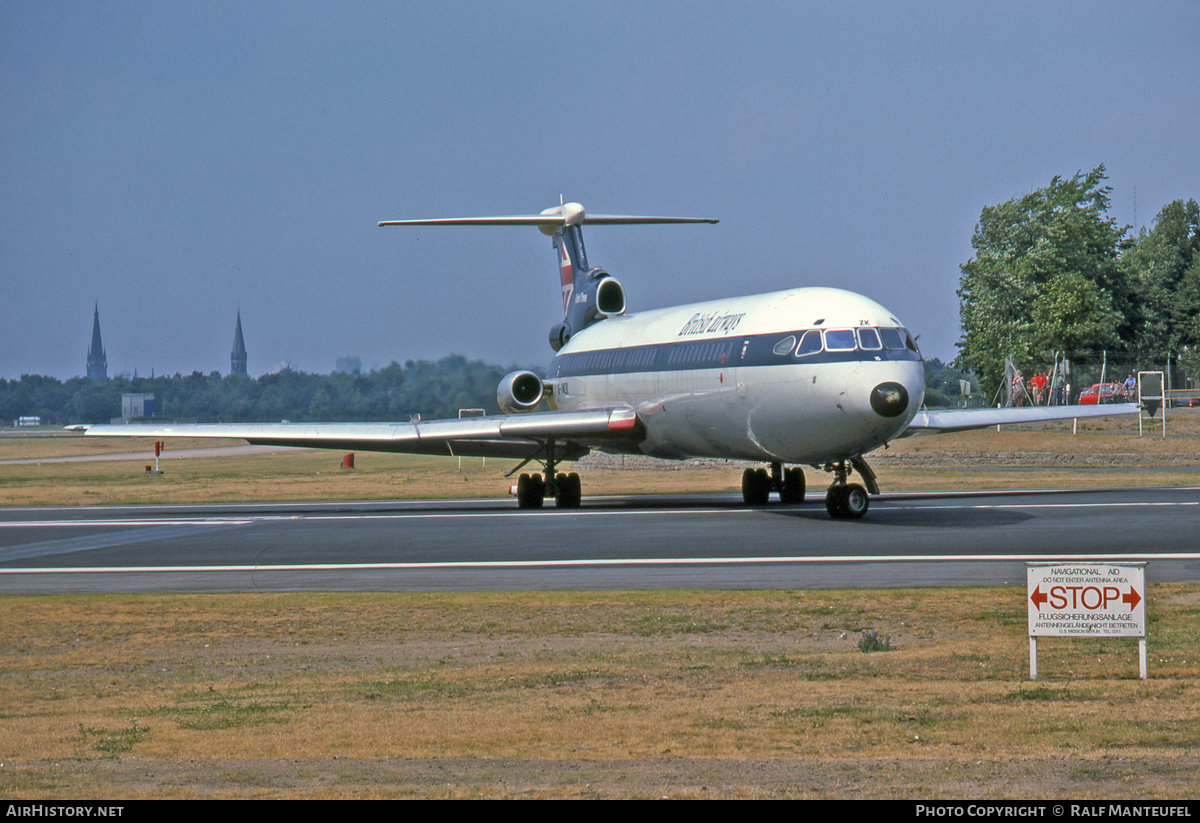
{"x": 585, "y": 694}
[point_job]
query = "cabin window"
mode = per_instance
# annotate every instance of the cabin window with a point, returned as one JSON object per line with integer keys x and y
{"x": 868, "y": 339}
{"x": 785, "y": 345}
{"x": 840, "y": 340}
{"x": 810, "y": 343}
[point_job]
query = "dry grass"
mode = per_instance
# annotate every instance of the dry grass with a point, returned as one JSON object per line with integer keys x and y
{"x": 499, "y": 694}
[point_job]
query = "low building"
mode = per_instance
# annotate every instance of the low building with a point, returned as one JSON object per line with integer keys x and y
{"x": 136, "y": 406}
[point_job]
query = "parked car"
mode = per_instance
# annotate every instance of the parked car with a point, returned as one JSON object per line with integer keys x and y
{"x": 1102, "y": 393}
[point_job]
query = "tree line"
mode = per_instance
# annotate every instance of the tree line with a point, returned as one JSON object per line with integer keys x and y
{"x": 1053, "y": 273}
{"x": 432, "y": 389}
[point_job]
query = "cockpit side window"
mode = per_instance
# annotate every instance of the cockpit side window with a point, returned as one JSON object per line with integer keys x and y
{"x": 810, "y": 343}
{"x": 785, "y": 345}
{"x": 840, "y": 340}
{"x": 910, "y": 343}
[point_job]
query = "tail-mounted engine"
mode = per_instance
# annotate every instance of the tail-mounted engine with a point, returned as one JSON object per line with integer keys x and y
{"x": 519, "y": 391}
{"x": 594, "y": 296}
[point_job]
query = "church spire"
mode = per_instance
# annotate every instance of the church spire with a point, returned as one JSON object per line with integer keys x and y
{"x": 237, "y": 360}
{"x": 97, "y": 361}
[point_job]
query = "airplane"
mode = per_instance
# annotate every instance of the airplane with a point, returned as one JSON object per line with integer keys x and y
{"x": 807, "y": 376}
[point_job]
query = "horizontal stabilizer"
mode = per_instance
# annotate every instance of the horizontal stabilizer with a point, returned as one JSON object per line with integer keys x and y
{"x": 568, "y": 214}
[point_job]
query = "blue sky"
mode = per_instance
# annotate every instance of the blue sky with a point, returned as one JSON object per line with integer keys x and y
{"x": 175, "y": 161}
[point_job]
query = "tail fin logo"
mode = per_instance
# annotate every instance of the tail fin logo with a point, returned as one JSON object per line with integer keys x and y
{"x": 567, "y": 275}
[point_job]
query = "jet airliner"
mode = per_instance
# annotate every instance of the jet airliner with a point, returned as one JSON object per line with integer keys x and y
{"x": 806, "y": 376}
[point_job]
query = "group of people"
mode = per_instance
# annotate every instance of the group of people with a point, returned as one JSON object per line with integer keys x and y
{"x": 1043, "y": 390}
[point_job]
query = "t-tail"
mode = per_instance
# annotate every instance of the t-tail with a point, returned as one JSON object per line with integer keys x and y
{"x": 589, "y": 294}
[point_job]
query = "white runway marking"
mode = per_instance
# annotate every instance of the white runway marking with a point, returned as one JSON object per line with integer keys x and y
{"x": 651, "y": 561}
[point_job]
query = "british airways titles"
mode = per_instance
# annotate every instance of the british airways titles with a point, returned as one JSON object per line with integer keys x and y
{"x": 709, "y": 323}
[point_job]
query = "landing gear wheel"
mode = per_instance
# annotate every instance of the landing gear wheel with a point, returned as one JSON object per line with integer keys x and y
{"x": 793, "y": 486}
{"x": 833, "y": 502}
{"x": 568, "y": 491}
{"x": 856, "y": 501}
{"x": 847, "y": 502}
{"x": 531, "y": 490}
{"x": 756, "y": 487}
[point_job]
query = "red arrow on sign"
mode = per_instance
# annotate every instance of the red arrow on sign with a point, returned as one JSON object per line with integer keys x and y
{"x": 1038, "y": 597}
{"x": 1133, "y": 598}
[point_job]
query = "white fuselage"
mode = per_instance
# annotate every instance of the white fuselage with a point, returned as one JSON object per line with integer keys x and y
{"x": 784, "y": 377}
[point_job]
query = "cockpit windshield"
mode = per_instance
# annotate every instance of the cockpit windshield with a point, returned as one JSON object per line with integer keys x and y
{"x": 863, "y": 338}
{"x": 840, "y": 340}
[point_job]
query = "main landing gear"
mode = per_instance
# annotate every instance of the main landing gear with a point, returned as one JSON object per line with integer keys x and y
{"x": 533, "y": 489}
{"x": 757, "y": 485}
{"x": 843, "y": 501}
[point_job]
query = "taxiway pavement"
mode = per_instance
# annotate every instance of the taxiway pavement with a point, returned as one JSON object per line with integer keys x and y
{"x": 918, "y": 539}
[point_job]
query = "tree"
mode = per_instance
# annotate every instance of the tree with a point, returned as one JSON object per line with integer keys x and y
{"x": 1163, "y": 266}
{"x": 1073, "y": 314}
{"x": 1055, "y": 247}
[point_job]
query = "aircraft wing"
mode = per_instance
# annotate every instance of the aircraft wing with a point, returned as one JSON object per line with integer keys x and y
{"x": 937, "y": 421}
{"x": 519, "y": 435}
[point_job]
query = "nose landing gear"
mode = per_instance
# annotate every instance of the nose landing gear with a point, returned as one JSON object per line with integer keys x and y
{"x": 849, "y": 501}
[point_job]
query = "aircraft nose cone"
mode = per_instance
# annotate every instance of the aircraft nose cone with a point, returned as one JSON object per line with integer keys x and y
{"x": 889, "y": 399}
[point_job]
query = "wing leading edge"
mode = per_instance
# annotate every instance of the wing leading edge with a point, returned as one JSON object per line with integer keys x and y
{"x": 937, "y": 421}
{"x": 519, "y": 436}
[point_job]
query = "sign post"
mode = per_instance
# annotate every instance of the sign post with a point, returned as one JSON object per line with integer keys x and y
{"x": 1152, "y": 396}
{"x": 1081, "y": 598}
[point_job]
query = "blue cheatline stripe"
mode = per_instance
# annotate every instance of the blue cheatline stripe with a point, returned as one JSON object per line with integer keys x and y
{"x": 715, "y": 353}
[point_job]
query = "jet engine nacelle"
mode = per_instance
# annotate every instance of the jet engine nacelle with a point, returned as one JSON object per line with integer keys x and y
{"x": 610, "y": 296}
{"x": 560, "y": 333}
{"x": 600, "y": 295}
{"x": 519, "y": 391}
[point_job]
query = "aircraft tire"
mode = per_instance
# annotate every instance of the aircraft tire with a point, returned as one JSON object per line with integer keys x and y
{"x": 793, "y": 486}
{"x": 530, "y": 491}
{"x": 849, "y": 502}
{"x": 569, "y": 491}
{"x": 856, "y": 501}
{"x": 756, "y": 487}
{"x": 763, "y": 479}
{"x": 833, "y": 502}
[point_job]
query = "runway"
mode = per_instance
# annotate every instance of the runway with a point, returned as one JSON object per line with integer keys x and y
{"x": 919, "y": 539}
